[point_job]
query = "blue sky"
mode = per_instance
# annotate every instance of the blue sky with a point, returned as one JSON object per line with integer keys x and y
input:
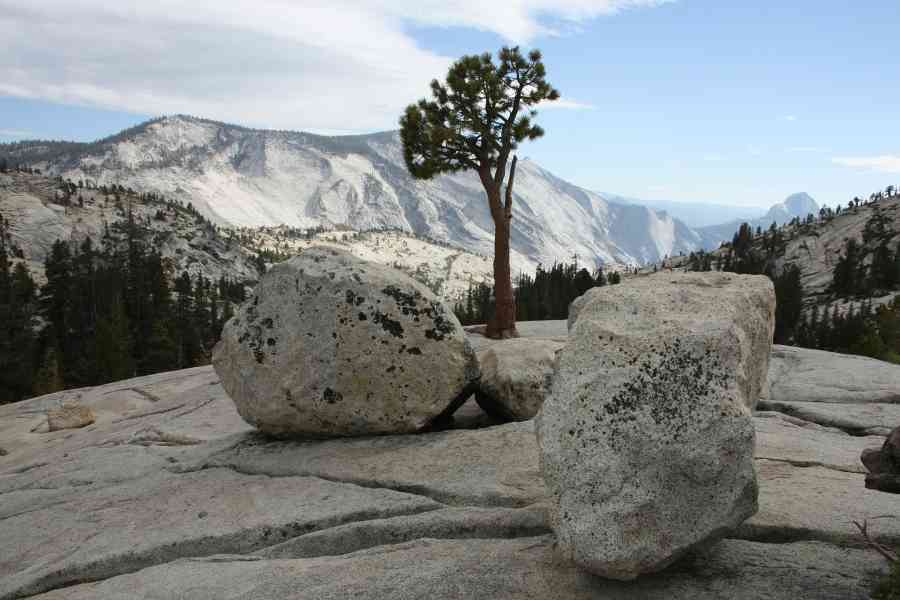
{"x": 693, "y": 100}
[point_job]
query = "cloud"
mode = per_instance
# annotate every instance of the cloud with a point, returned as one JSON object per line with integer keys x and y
{"x": 790, "y": 118}
{"x": 563, "y": 104}
{"x": 339, "y": 65}
{"x": 15, "y": 133}
{"x": 881, "y": 164}
{"x": 713, "y": 157}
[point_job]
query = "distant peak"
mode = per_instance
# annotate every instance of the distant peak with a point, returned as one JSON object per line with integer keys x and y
{"x": 799, "y": 204}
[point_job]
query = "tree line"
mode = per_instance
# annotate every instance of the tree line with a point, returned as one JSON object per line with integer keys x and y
{"x": 863, "y": 270}
{"x": 544, "y": 296}
{"x": 109, "y": 310}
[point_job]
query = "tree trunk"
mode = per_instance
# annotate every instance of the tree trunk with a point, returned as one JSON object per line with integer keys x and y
{"x": 503, "y": 324}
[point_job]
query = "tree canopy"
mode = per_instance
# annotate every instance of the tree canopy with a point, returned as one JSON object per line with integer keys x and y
{"x": 478, "y": 117}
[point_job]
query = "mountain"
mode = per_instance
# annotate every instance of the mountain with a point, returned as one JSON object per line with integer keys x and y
{"x": 250, "y": 178}
{"x": 37, "y": 210}
{"x": 796, "y": 205}
{"x": 693, "y": 214}
{"x": 815, "y": 247}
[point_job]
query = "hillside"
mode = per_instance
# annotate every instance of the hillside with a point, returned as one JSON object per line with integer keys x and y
{"x": 815, "y": 246}
{"x": 40, "y": 209}
{"x": 795, "y": 205}
{"x": 836, "y": 275}
{"x": 251, "y": 178}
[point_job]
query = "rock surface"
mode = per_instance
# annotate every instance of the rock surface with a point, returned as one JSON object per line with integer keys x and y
{"x": 515, "y": 377}
{"x": 171, "y": 494}
{"x": 804, "y": 375}
{"x": 646, "y": 437}
{"x": 69, "y": 416}
{"x": 856, "y": 418}
{"x": 525, "y": 569}
{"x": 330, "y": 345}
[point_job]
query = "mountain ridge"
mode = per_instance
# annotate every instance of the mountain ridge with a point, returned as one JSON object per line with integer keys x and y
{"x": 240, "y": 176}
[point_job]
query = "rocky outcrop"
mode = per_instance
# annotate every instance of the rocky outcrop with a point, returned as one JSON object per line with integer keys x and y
{"x": 884, "y": 464}
{"x": 646, "y": 437}
{"x": 515, "y": 377}
{"x": 69, "y": 416}
{"x": 804, "y": 375}
{"x": 119, "y": 510}
{"x": 330, "y": 345}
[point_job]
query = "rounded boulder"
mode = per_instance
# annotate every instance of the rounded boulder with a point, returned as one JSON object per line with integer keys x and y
{"x": 330, "y": 345}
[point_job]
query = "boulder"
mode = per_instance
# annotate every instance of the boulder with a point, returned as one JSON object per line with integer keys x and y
{"x": 515, "y": 377}
{"x": 330, "y": 345}
{"x": 69, "y": 416}
{"x": 884, "y": 464}
{"x": 646, "y": 439}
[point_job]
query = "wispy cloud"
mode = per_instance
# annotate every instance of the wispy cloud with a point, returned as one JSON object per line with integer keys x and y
{"x": 789, "y": 118}
{"x": 563, "y": 104}
{"x": 15, "y": 133}
{"x": 886, "y": 163}
{"x": 713, "y": 157}
{"x": 348, "y": 65}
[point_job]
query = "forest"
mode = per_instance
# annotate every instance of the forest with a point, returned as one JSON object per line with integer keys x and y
{"x": 109, "y": 310}
{"x": 846, "y": 320}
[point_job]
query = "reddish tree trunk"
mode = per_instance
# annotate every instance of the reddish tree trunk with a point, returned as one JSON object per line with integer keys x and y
{"x": 503, "y": 323}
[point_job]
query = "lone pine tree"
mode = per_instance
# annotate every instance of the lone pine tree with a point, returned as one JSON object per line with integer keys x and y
{"x": 476, "y": 120}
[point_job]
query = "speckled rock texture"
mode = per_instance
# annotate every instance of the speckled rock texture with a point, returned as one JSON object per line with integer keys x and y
{"x": 330, "y": 345}
{"x": 646, "y": 436}
{"x": 515, "y": 377}
{"x": 69, "y": 416}
{"x": 746, "y": 303}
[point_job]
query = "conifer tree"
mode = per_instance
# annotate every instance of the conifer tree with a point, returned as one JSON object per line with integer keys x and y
{"x": 476, "y": 120}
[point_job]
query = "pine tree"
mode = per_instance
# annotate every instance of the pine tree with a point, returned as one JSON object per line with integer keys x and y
{"x": 48, "y": 379}
{"x": 113, "y": 345}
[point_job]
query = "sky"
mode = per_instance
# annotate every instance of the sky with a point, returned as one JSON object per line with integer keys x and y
{"x": 713, "y": 101}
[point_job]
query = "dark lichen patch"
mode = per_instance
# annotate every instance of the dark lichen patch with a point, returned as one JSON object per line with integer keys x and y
{"x": 331, "y": 397}
{"x": 666, "y": 386}
{"x": 409, "y": 306}
{"x": 443, "y": 326}
{"x": 267, "y": 323}
{"x": 353, "y": 299}
{"x": 395, "y": 328}
{"x": 362, "y": 316}
{"x": 414, "y": 351}
{"x": 405, "y": 301}
{"x": 270, "y": 342}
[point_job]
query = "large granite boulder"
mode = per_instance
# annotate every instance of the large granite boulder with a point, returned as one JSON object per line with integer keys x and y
{"x": 515, "y": 377}
{"x": 330, "y": 345}
{"x": 646, "y": 437}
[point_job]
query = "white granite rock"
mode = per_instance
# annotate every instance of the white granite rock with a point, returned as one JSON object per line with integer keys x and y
{"x": 515, "y": 377}
{"x": 330, "y": 345}
{"x": 804, "y": 375}
{"x": 646, "y": 437}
